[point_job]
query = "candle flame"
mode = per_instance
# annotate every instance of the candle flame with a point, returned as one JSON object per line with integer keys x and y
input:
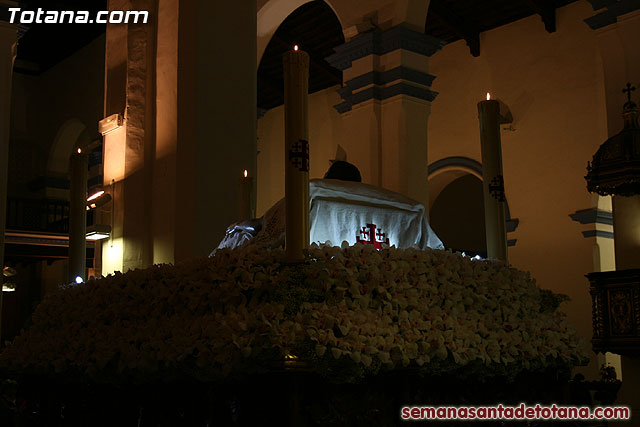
{"x": 79, "y": 150}
{"x": 246, "y": 173}
{"x": 488, "y": 96}
{"x": 295, "y": 47}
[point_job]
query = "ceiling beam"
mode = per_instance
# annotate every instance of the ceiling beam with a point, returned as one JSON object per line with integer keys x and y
{"x": 457, "y": 25}
{"x": 547, "y": 11}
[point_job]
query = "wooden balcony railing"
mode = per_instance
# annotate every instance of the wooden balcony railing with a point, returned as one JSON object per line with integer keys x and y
{"x": 43, "y": 215}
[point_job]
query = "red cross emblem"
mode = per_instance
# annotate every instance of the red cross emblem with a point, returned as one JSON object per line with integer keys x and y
{"x": 299, "y": 155}
{"x": 372, "y": 235}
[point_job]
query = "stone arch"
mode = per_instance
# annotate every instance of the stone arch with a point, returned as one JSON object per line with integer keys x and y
{"x": 457, "y": 215}
{"x": 446, "y": 171}
{"x": 70, "y": 134}
{"x": 273, "y": 13}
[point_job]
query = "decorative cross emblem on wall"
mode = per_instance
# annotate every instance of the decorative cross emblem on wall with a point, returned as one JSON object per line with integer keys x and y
{"x": 372, "y": 235}
{"x": 496, "y": 188}
{"x": 299, "y": 155}
{"x": 628, "y": 91}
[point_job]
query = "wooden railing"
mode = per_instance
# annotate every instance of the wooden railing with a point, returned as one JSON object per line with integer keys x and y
{"x": 40, "y": 215}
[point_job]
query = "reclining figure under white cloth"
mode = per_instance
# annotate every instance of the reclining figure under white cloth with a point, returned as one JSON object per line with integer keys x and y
{"x": 344, "y": 211}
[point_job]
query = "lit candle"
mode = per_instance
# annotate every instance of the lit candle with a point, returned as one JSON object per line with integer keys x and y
{"x": 493, "y": 180}
{"x": 245, "y": 210}
{"x": 296, "y": 118}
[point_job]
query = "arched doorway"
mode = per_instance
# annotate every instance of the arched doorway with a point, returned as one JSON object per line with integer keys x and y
{"x": 68, "y": 138}
{"x": 457, "y": 216}
{"x": 456, "y": 205}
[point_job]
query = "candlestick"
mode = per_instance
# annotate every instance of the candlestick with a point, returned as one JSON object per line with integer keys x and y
{"x": 245, "y": 210}
{"x": 296, "y": 92}
{"x": 493, "y": 181}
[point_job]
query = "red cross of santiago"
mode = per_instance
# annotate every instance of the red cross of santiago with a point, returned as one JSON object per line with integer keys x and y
{"x": 372, "y": 235}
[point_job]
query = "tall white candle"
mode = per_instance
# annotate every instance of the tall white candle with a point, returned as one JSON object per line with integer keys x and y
{"x": 296, "y": 93}
{"x": 493, "y": 179}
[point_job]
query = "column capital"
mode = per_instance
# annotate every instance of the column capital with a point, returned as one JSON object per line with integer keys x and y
{"x": 383, "y": 42}
{"x": 399, "y": 66}
{"x": 381, "y": 85}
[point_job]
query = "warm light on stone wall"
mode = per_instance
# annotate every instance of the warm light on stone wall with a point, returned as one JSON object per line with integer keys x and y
{"x": 112, "y": 250}
{"x": 114, "y": 155}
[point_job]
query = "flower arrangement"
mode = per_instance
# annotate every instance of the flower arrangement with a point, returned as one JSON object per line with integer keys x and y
{"x": 346, "y": 313}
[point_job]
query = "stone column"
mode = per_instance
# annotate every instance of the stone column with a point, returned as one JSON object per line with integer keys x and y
{"x": 166, "y": 103}
{"x": 386, "y": 105}
{"x": 187, "y": 91}
{"x": 217, "y": 82}
{"x": 296, "y": 153}
{"x": 8, "y": 43}
{"x": 78, "y": 174}
{"x": 492, "y": 180}
{"x": 129, "y": 151}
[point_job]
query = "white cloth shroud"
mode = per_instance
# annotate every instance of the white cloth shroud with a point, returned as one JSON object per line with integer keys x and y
{"x": 351, "y": 211}
{"x": 346, "y": 211}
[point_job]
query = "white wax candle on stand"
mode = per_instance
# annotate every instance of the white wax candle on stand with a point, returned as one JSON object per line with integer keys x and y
{"x": 296, "y": 117}
{"x": 493, "y": 180}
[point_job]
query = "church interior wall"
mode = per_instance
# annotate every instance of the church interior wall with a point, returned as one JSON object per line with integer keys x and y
{"x": 553, "y": 86}
{"x": 24, "y": 113}
{"x": 458, "y": 215}
{"x": 326, "y": 131}
{"x": 42, "y": 105}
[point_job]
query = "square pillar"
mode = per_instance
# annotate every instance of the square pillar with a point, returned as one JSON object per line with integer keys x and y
{"x": 386, "y": 106}
{"x": 188, "y": 95}
{"x": 217, "y": 115}
{"x": 129, "y": 150}
{"x": 8, "y": 44}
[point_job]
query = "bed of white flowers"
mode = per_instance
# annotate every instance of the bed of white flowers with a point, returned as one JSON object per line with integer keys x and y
{"x": 353, "y": 310}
